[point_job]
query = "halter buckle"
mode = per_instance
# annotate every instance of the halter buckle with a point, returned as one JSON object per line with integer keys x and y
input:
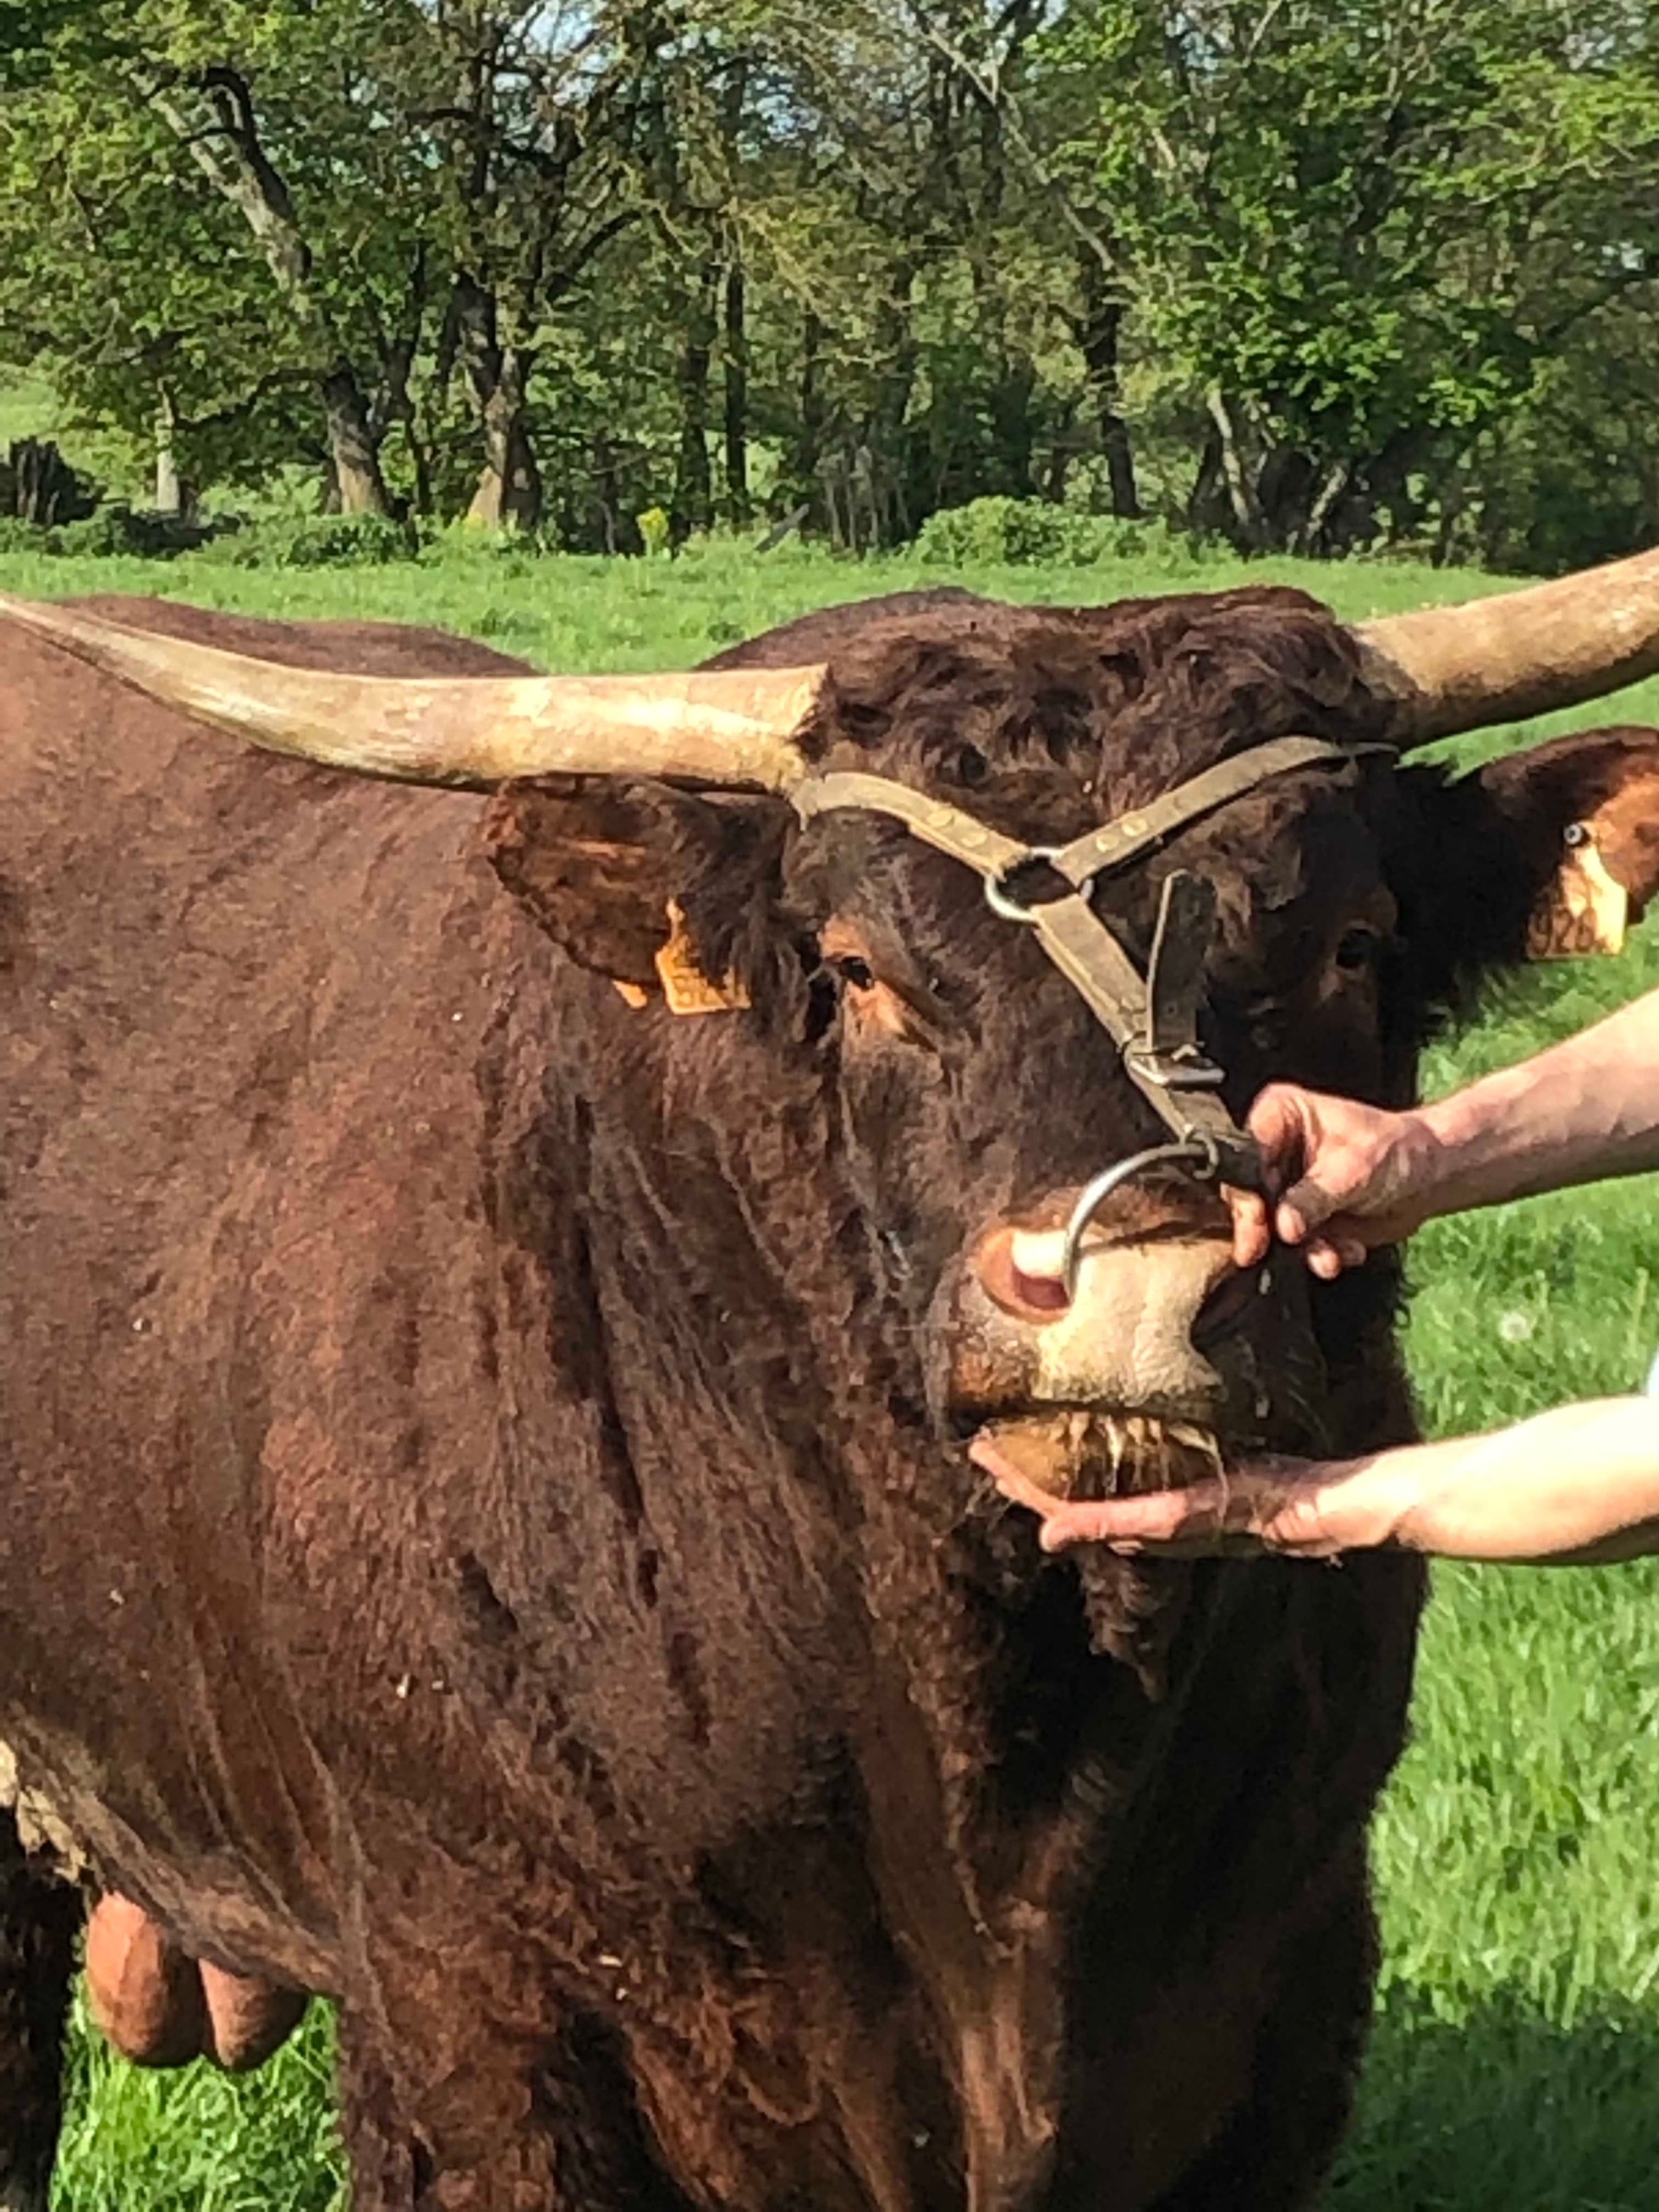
{"x": 1188, "y": 1067}
{"x": 997, "y": 899}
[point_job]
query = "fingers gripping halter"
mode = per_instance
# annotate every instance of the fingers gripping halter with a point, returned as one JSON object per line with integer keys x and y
{"x": 1153, "y": 1019}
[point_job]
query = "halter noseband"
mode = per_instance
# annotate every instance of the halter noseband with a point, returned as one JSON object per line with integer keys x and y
{"x": 1152, "y": 1019}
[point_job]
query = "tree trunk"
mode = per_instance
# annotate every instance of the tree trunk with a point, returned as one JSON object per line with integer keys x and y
{"x": 1011, "y": 398}
{"x": 1319, "y": 530}
{"x": 1249, "y": 527}
{"x": 692, "y": 506}
{"x": 232, "y": 156}
{"x": 897, "y": 351}
{"x": 806, "y": 448}
{"x": 1386, "y": 481}
{"x": 362, "y": 489}
{"x": 1284, "y": 486}
{"x": 1098, "y": 337}
{"x": 391, "y": 401}
{"x": 620, "y": 530}
{"x": 45, "y": 489}
{"x": 169, "y": 496}
{"x": 739, "y": 507}
{"x": 835, "y": 478}
{"x": 1207, "y": 503}
{"x": 1062, "y": 453}
{"x": 508, "y": 494}
{"x": 1120, "y": 466}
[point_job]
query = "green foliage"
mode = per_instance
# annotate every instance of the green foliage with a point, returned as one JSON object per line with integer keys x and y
{"x": 1018, "y": 533}
{"x": 110, "y": 533}
{"x": 1319, "y": 276}
{"x": 313, "y": 541}
{"x": 1354, "y": 237}
{"x": 116, "y": 528}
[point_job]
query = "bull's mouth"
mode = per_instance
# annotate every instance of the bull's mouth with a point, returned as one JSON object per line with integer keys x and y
{"x": 1086, "y": 1451}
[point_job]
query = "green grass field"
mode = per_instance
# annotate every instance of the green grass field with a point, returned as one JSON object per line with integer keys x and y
{"x": 1516, "y": 2062}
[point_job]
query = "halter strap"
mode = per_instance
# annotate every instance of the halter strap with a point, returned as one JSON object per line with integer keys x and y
{"x": 1151, "y": 1018}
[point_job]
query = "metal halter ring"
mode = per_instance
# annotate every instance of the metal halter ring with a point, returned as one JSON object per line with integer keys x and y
{"x": 998, "y": 899}
{"x": 1096, "y": 1194}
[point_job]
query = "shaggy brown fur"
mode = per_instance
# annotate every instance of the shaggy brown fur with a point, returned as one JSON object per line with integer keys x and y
{"x": 490, "y": 1535}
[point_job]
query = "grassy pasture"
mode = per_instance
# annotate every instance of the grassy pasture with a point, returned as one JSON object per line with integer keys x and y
{"x": 1514, "y": 2066}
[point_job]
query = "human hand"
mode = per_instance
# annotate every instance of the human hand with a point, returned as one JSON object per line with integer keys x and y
{"x": 1347, "y": 1176}
{"x": 1576, "y": 1486}
{"x": 1303, "y": 1509}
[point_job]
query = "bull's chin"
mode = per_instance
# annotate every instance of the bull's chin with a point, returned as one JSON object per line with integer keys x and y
{"x": 1085, "y": 1452}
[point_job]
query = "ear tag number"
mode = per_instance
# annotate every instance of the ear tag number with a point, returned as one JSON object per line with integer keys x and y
{"x": 1584, "y": 910}
{"x": 685, "y": 987}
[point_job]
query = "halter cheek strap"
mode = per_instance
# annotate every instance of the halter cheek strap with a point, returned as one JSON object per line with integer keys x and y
{"x": 1153, "y": 1019}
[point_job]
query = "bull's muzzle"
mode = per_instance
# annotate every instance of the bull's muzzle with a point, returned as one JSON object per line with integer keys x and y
{"x": 1156, "y": 1357}
{"x": 1122, "y": 1333}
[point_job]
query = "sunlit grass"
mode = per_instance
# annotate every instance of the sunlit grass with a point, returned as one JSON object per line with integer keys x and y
{"x": 1516, "y": 2062}
{"x": 197, "y": 2140}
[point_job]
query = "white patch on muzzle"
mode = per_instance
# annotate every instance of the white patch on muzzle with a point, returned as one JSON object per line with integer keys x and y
{"x": 1124, "y": 1340}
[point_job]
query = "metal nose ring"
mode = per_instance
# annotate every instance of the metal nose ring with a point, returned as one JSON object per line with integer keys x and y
{"x": 1095, "y": 1194}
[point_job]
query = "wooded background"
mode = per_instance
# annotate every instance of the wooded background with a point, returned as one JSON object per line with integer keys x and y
{"x": 1315, "y": 275}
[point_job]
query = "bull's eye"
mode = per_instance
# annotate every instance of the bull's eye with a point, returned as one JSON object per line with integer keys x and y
{"x": 856, "y": 974}
{"x": 1576, "y": 834}
{"x": 969, "y": 767}
{"x": 1357, "y": 949}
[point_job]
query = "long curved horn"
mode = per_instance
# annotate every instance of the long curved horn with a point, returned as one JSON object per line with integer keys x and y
{"x": 1519, "y": 653}
{"x": 716, "y": 728}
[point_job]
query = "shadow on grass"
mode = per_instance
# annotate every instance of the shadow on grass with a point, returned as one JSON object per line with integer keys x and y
{"x": 1504, "y": 2112}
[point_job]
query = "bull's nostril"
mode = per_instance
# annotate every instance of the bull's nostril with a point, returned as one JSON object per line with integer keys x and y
{"x": 1046, "y": 1293}
{"x": 1031, "y": 1292}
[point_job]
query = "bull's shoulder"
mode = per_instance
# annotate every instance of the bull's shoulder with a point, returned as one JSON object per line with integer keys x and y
{"x": 363, "y": 648}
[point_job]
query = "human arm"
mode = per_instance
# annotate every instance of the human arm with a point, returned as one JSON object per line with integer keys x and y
{"x": 1352, "y": 1176}
{"x": 1576, "y": 1486}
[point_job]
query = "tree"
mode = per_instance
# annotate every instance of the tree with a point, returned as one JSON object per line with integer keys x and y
{"x": 1353, "y": 234}
{"x": 185, "y": 196}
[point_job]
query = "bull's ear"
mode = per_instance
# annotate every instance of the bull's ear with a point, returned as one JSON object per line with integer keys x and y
{"x": 1583, "y": 814}
{"x": 611, "y": 870}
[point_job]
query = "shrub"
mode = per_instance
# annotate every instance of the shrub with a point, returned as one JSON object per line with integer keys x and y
{"x": 316, "y": 542}
{"x": 113, "y": 532}
{"x": 116, "y": 528}
{"x": 510, "y": 553}
{"x": 1005, "y": 533}
{"x": 98, "y": 537}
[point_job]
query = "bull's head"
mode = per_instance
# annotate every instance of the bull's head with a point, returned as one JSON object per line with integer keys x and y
{"x": 647, "y": 824}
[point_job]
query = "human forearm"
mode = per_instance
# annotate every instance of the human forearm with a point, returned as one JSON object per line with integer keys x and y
{"x": 1586, "y": 1108}
{"x": 1577, "y": 1486}
{"x": 1349, "y": 1176}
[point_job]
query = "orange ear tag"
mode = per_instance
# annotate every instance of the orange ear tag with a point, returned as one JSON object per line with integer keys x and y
{"x": 1585, "y": 910}
{"x": 685, "y": 987}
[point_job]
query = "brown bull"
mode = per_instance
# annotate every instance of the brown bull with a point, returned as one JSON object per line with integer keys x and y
{"x": 490, "y": 1532}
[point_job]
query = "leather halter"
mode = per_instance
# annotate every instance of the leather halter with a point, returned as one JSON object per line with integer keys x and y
{"x": 1153, "y": 1019}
